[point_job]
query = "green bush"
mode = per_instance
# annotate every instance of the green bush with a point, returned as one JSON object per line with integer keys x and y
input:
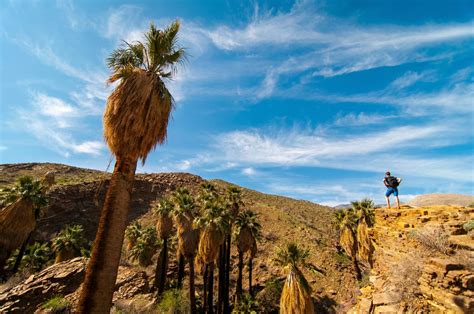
{"x": 174, "y": 302}
{"x": 247, "y": 305}
{"x": 342, "y": 258}
{"x": 468, "y": 226}
{"x": 57, "y": 304}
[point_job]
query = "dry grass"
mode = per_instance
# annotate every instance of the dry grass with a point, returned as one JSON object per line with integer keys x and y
{"x": 404, "y": 276}
{"x": 434, "y": 238}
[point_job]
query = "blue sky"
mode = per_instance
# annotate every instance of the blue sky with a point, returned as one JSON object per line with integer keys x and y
{"x": 311, "y": 99}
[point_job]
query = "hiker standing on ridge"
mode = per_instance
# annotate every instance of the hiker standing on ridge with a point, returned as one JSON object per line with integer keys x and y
{"x": 392, "y": 184}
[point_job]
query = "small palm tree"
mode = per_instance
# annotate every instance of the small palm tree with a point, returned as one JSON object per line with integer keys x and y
{"x": 296, "y": 294}
{"x": 214, "y": 224}
{"x": 135, "y": 121}
{"x": 36, "y": 256}
{"x": 132, "y": 233}
{"x": 145, "y": 247}
{"x": 164, "y": 226}
{"x": 68, "y": 243}
{"x": 188, "y": 236}
{"x": 346, "y": 223}
{"x": 366, "y": 218}
{"x": 23, "y": 203}
{"x": 248, "y": 232}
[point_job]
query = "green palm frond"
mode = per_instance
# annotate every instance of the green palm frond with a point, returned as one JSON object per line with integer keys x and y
{"x": 292, "y": 255}
{"x": 184, "y": 203}
{"x": 345, "y": 218}
{"x": 159, "y": 54}
{"x": 214, "y": 215}
{"x": 249, "y": 219}
{"x": 208, "y": 193}
{"x": 29, "y": 189}
{"x": 70, "y": 238}
{"x": 146, "y": 245}
{"x": 365, "y": 210}
{"x": 36, "y": 256}
{"x": 164, "y": 207}
{"x": 133, "y": 231}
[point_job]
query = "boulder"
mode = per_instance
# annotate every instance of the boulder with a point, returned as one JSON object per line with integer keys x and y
{"x": 59, "y": 279}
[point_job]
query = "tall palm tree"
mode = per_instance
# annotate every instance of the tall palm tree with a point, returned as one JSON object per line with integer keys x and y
{"x": 214, "y": 223}
{"x": 68, "y": 243}
{"x": 296, "y": 294}
{"x": 164, "y": 226}
{"x": 234, "y": 202}
{"x": 366, "y": 218}
{"x": 135, "y": 121}
{"x": 346, "y": 223}
{"x": 188, "y": 234}
{"x": 248, "y": 231}
{"x": 22, "y": 207}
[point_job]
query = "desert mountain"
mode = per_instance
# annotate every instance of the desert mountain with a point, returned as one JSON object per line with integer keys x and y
{"x": 78, "y": 195}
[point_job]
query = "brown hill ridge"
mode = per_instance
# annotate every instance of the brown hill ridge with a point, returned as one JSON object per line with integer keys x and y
{"x": 442, "y": 199}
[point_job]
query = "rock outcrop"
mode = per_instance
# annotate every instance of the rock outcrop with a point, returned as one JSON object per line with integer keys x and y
{"x": 65, "y": 279}
{"x": 423, "y": 262}
{"x": 59, "y": 279}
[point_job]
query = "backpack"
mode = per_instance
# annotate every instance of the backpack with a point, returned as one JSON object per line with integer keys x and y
{"x": 392, "y": 182}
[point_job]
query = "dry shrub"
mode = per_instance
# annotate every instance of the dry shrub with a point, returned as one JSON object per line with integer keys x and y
{"x": 434, "y": 238}
{"x": 404, "y": 277}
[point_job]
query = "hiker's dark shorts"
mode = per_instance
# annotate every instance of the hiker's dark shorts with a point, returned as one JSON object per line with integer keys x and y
{"x": 390, "y": 191}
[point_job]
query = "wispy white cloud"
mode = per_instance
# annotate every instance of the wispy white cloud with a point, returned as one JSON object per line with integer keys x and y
{"x": 50, "y": 120}
{"x": 361, "y": 119}
{"x": 3, "y": 147}
{"x": 410, "y": 78}
{"x": 88, "y": 147}
{"x": 249, "y": 171}
{"x": 332, "y": 46}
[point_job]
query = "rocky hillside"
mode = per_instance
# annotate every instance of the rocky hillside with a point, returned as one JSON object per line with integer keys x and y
{"x": 424, "y": 262}
{"x": 78, "y": 195}
{"x": 442, "y": 199}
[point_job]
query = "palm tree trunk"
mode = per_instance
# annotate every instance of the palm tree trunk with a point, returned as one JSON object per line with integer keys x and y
{"x": 221, "y": 284}
{"x": 356, "y": 268}
{"x": 180, "y": 270}
{"x": 227, "y": 274}
{"x": 239, "y": 277}
{"x": 101, "y": 273}
{"x": 205, "y": 278}
{"x": 192, "y": 294}
{"x": 20, "y": 254}
{"x": 250, "y": 276}
{"x": 210, "y": 290}
{"x": 161, "y": 268}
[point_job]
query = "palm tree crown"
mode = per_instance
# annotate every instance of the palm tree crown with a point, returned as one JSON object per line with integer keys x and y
{"x": 28, "y": 189}
{"x": 365, "y": 210}
{"x": 137, "y": 113}
{"x": 158, "y": 55}
{"x": 70, "y": 239}
{"x": 248, "y": 219}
